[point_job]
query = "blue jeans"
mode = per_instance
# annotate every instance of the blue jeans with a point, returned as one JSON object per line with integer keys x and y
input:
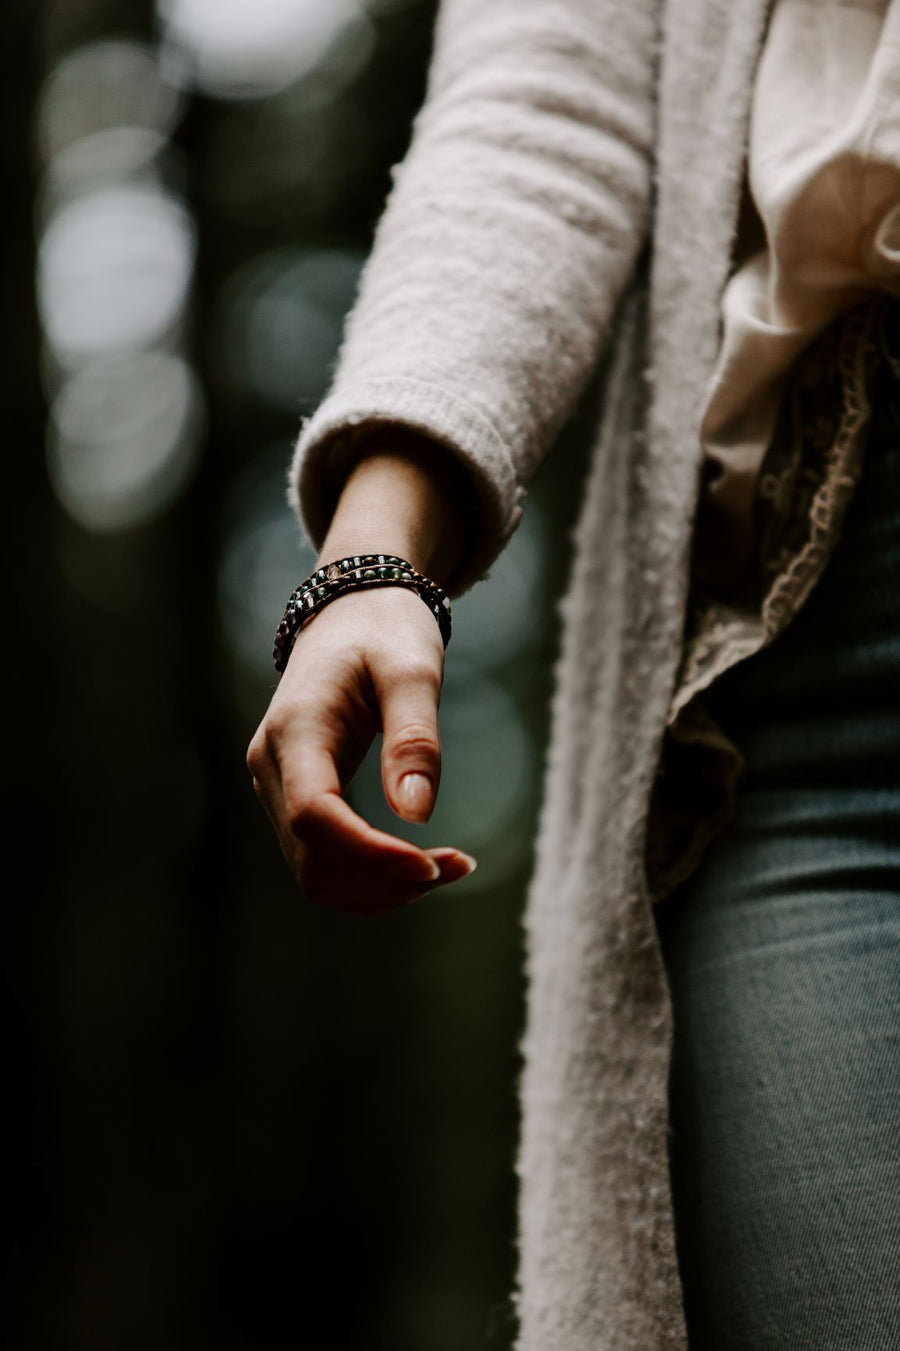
{"x": 783, "y": 958}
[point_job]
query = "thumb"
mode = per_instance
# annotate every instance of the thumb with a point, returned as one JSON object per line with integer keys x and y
{"x": 411, "y": 751}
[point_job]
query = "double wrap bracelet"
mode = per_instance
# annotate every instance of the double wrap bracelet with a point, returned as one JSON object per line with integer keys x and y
{"x": 357, "y": 573}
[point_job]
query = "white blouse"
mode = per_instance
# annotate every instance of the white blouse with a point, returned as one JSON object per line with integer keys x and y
{"x": 824, "y": 186}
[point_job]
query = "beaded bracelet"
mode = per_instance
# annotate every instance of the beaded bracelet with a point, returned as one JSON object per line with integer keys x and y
{"x": 356, "y": 573}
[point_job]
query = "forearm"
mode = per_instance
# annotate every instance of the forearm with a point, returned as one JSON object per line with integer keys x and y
{"x": 407, "y": 496}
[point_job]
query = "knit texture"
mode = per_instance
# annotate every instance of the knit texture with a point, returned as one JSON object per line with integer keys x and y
{"x": 511, "y": 231}
{"x": 557, "y": 136}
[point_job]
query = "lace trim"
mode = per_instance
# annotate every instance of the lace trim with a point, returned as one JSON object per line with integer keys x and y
{"x": 816, "y": 488}
{"x": 804, "y": 487}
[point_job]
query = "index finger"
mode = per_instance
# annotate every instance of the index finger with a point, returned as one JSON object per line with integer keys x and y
{"x": 338, "y": 858}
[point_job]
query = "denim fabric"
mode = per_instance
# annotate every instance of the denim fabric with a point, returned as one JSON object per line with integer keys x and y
{"x": 783, "y": 958}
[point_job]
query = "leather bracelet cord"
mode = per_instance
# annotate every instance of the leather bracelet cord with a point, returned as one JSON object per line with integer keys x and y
{"x": 356, "y": 573}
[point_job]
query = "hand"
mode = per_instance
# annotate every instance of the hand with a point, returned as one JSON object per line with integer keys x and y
{"x": 371, "y": 661}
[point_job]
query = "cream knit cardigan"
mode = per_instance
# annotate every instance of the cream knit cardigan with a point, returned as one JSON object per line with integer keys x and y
{"x": 572, "y": 191}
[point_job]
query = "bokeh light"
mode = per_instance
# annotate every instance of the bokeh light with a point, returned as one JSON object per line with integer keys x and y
{"x": 264, "y": 556}
{"x": 104, "y": 157}
{"x": 124, "y": 438}
{"x": 282, "y": 324}
{"x": 234, "y": 50}
{"x": 497, "y": 624}
{"x": 114, "y": 271}
{"x": 103, "y": 85}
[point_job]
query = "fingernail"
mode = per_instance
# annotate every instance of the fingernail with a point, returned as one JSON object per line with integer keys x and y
{"x": 446, "y": 854}
{"x": 414, "y": 796}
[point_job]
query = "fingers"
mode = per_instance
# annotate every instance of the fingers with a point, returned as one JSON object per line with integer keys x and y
{"x": 411, "y": 750}
{"x": 337, "y": 857}
{"x": 454, "y": 865}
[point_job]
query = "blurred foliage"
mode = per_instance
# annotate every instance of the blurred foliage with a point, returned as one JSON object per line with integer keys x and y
{"x": 244, "y": 1122}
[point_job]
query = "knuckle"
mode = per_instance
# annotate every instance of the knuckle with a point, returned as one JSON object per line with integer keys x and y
{"x": 258, "y": 754}
{"x": 280, "y": 721}
{"x": 276, "y": 726}
{"x": 302, "y": 815}
{"x": 414, "y": 741}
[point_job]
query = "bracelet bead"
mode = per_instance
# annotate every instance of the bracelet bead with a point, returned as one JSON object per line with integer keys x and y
{"x": 358, "y": 572}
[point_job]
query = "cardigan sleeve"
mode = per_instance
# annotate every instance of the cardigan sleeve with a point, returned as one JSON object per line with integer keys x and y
{"x": 512, "y": 228}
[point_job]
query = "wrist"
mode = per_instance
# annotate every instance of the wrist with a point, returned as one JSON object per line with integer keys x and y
{"x": 356, "y": 572}
{"x": 408, "y": 496}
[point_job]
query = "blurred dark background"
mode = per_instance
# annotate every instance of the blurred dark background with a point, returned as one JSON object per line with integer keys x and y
{"x": 236, "y": 1121}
